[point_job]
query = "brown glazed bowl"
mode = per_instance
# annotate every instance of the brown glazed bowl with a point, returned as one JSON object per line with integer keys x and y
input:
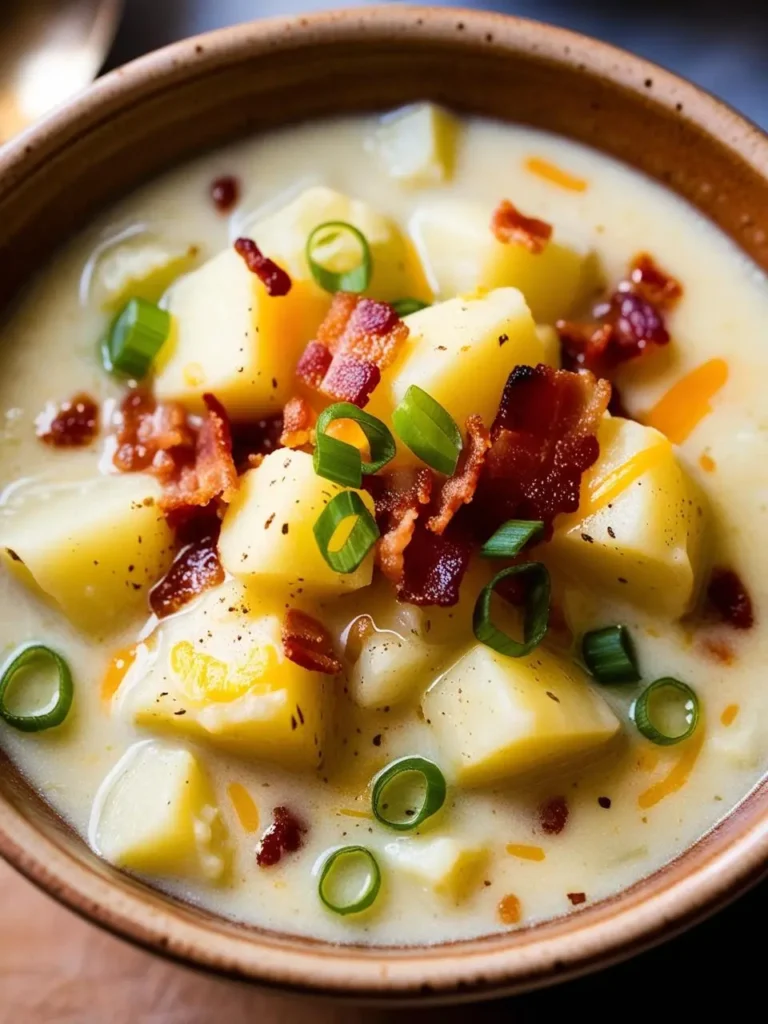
{"x": 196, "y": 94}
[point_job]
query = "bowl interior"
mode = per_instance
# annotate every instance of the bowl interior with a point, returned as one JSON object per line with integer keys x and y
{"x": 176, "y": 103}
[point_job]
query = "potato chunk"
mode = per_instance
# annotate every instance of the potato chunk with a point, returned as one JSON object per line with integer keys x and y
{"x": 638, "y": 532}
{"x": 396, "y": 268}
{"x": 462, "y": 255}
{"x": 461, "y": 352}
{"x": 156, "y": 814}
{"x": 232, "y": 338}
{"x": 140, "y": 268}
{"x": 444, "y": 865}
{"x": 391, "y": 667}
{"x": 219, "y": 674}
{"x": 417, "y": 145}
{"x": 267, "y": 534}
{"x": 95, "y": 548}
{"x": 495, "y": 717}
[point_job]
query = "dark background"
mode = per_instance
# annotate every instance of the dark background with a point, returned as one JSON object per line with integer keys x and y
{"x": 722, "y": 46}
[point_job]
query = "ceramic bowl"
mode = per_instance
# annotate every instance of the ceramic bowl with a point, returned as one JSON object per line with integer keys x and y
{"x": 173, "y": 104}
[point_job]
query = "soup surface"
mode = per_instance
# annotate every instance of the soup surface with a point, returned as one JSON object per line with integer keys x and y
{"x": 227, "y": 724}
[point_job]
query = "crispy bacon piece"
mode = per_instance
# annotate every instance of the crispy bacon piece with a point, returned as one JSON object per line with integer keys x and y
{"x": 212, "y": 474}
{"x": 147, "y": 429}
{"x": 298, "y": 420}
{"x": 577, "y": 898}
{"x": 730, "y": 599}
{"x": 225, "y": 192}
{"x": 399, "y": 497}
{"x": 308, "y": 643}
{"x": 626, "y": 324}
{"x": 460, "y": 488}
{"x": 274, "y": 278}
{"x": 284, "y": 835}
{"x": 553, "y": 815}
{"x": 357, "y": 340}
{"x": 510, "y": 225}
{"x": 196, "y": 569}
{"x": 543, "y": 439}
{"x": 434, "y": 566}
{"x": 73, "y": 425}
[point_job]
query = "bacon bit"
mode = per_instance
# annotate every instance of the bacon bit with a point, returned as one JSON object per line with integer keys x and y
{"x": 434, "y": 566}
{"x": 246, "y": 810}
{"x": 543, "y": 440}
{"x": 357, "y": 634}
{"x": 298, "y": 420}
{"x": 274, "y": 278}
{"x": 225, "y": 191}
{"x": 729, "y": 597}
{"x": 729, "y": 714}
{"x": 116, "y": 672}
{"x": 554, "y": 174}
{"x": 284, "y": 835}
{"x": 707, "y": 463}
{"x": 525, "y": 852}
{"x": 460, "y": 488}
{"x": 719, "y": 649}
{"x": 313, "y": 365}
{"x": 653, "y": 283}
{"x": 252, "y": 441}
{"x": 196, "y": 569}
{"x": 148, "y": 428}
{"x": 510, "y": 909}
{"x": 680, "y": 410}
{"x": 73, "y": 425}
{"x": 398, "y": 497}
{"x": 679, "y": 774}
{"x": 350, "y": 380}
{"x": 306, "y": 642}
{"x": 553, "y": 815}
{"x": 213, "y": 473}
{"x": 510, "y": 225}
{"x": 577, "y": 898}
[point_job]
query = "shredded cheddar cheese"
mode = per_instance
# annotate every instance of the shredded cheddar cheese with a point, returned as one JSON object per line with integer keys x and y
{"x": 116, "y": 672}
{"x": 350, "y": 812}
{"x": 602, "y": 491}
{"x": 510, "y": 909}
{"x": 555, "y": 175}
{"x": 204, "y": 677}
{"x": 525, "y": 852}
{"x": 707, "y": 463}
{"x": 729, "y": 714}
{"x": 246, "y": 810}
{"x": 687, "y": 403}
{"x": 678, "y": 775}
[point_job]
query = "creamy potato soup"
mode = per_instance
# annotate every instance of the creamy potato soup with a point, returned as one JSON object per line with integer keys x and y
{"x": 381, "y": 529}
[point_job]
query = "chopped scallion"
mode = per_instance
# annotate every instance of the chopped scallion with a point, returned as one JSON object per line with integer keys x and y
{"x": 656, "y": 722}
{"x": 404, "y": 307}
{"x": 350, "y": 880}
{"x": 341, "y": 462}
{"x": 535, "y": 617}
{"x": 428, "y": 430}
{"x": 25, "y": 659}
{"x": 362, "y": 537}
{"x": 510, "y": 539}
{"x": 322, "y": 246}
{"x": 137, "y": 334}
{"x": 393, "y": 796}
{"x": 609, "y": 654}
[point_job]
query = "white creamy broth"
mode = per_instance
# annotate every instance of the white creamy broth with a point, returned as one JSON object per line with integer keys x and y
{"x": 632, "y": 805}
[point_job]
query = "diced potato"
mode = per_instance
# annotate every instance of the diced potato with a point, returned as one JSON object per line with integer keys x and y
{"x": 461, "y": 352}
{"x": 267, "y": 534}
{"x": 418, "y": 144}
{"x": 550, "y": 339}
{"x": 230, "y": 337}
{"x": 391, "y": 668}
{"x": 444, "y": 865}
{"x": 396, "y": 268}
{"x": 638, "y": 533}
{"x": 219, "y": 674}
{"x": 461, "y": 255}
{"x": 95, "y": 548}
{"x": 495, "y": 717}
{"x": 140, "y": 268}
{"x": 157, "y": 814}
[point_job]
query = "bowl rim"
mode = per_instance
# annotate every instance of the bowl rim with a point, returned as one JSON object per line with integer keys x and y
{"x": 703, "y": 878}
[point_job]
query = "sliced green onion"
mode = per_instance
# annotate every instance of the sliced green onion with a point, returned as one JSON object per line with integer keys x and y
{"x": 647, "y": 717}
{"x": 393, "y": 796}
{"x": 404, "y": 307}
{"x": 510, "y": 539}
{"x": 363, "y": 536}
{"x": 336, "y": 460}
{"x": 48, "y": 717}
{"x": 428, "y": 430}
{"x": 357, "y": 278}
{"x": 137, "y": 334}
{"x": 339, "y": 869}
{"x": 535, "y": 619}
{"x": 609, "y": 654}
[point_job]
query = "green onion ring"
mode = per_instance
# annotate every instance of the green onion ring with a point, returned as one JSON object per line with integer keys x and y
{"x": 364, "y": 533}
{"x": 50, "y": 717}
{"x": 535, "y": 620}
{"x": 510, "y": 538}
{"x": 640, "y": 712}
{"x": 404, "y": 307}
{"x": 334, "y": 862}
{"x": 434, "y": 791}
{"x": 609, "y": 654}
{"x": 341, "y": 462}
{"x": 355, "y": 280}
{"x": 424, "y": 426}
{"x": 137, "y": 334}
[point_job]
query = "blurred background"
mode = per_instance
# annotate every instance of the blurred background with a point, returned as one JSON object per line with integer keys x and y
{"x": 55, "y": 968}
